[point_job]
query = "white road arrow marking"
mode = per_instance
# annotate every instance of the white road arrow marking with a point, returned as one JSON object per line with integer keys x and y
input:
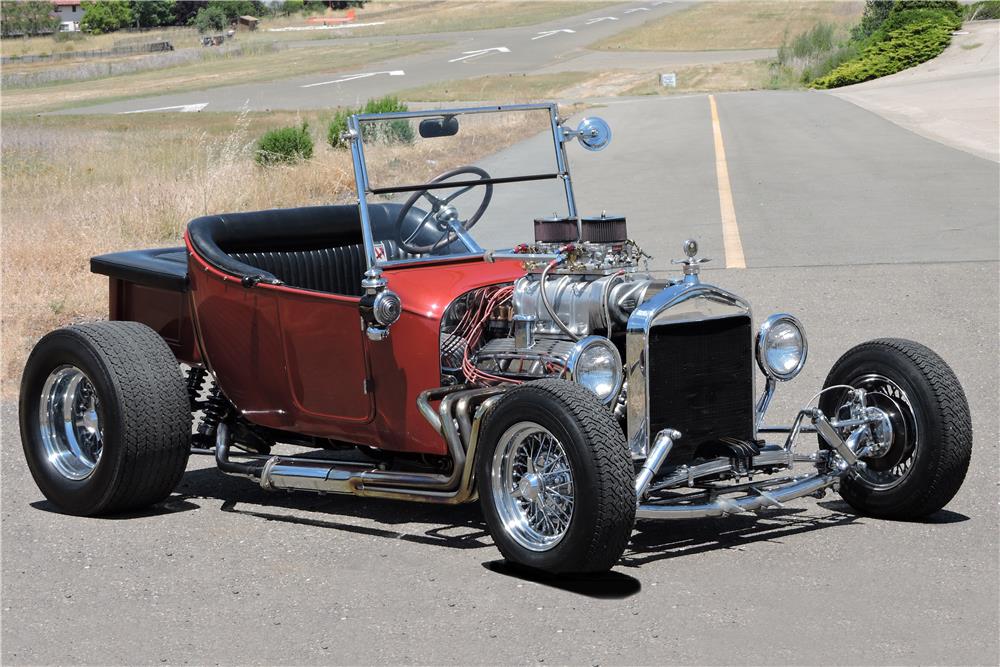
{"x": 481, "y": 52}
{"x": 549, "y": 33}
{"x": 352, "y": 77}
{"x": 663, "y": 2}
{"x": 637, "y": 9}
{"x": 183, "y": 108}
{"x": 603, "y": 18}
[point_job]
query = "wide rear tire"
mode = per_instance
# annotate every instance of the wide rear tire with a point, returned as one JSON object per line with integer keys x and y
{"x": 105, "y": 418}
{"x": 555, "y": 479}
{"x": 932, "y": 430}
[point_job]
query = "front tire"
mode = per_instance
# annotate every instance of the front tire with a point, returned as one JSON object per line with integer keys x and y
{"x": 931, "y": 445}
{"x": 556, "y": 483}
{"x": 105, "y": 418}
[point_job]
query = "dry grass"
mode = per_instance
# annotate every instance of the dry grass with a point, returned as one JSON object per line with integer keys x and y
{"x": 744, "y": 24}
{"x": 220, "y": 71}
{"x": 498, "y": 88}
{"x": 77, "y": 186}
{"x": 506, "y": 88}
{"x": 709, "y": 78}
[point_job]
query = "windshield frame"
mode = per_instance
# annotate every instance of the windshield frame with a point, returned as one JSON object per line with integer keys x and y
{"x": 364, "y": 188}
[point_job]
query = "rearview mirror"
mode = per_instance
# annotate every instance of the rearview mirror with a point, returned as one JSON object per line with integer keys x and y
{"x": 594, "y": 133}
{"x": 446, "y": 126}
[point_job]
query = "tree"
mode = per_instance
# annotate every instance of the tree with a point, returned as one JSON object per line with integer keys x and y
{"x": 27, "y": 18}
{"x": 210, "y": 19}
{"x": 233, "y": 9}
{"x": 153, "y": 13}
{"x": 100, "y": 16}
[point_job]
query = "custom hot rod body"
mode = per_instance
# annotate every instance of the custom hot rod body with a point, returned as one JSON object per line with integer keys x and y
{"x": 557, "y": 380}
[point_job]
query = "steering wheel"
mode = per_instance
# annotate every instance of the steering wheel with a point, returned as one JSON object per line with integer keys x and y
{"x": 443, "y": 217}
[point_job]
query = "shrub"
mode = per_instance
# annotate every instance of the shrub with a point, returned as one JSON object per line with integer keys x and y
{"x": 285, "y": 145}
{"x": 335, "y": 132}
{"x": 210, "y": 19}
{"x": 908, "y": 46}
{"x": 391, "y": 132}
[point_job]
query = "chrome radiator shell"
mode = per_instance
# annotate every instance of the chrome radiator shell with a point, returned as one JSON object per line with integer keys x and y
{"x": 682, "y": 302}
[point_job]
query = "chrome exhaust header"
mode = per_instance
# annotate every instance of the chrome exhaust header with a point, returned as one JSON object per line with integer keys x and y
{"x": 457, "y": 418}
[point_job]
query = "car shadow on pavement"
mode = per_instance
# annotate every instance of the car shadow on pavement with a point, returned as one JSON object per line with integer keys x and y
{"x": 660, "y": 540}
{"x": 611, "y": 585}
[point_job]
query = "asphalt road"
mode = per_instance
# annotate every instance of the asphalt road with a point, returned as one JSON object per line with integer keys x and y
{"x": 858, "y": 226}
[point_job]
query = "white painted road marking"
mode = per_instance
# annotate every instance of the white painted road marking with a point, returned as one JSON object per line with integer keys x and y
{"x": 352, "y": 77}
{"x": 342, "y": 26}
{"x": 637, "y": 9}
{"x": 603, "y": 18}
{"x": 480, "y": 52}
{"x": 549, "y": 33}
{"x": 730, "y": 231}
{"x": 183, "y": 108}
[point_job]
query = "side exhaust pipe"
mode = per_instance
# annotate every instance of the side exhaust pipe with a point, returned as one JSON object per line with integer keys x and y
{"x": 457, "y": 418}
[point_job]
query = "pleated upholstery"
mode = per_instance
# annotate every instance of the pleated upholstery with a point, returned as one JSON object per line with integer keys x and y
{"x": 338, "y": 270}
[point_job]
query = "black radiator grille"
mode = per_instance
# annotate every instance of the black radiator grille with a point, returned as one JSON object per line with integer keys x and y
{"x": 700, "y": 378}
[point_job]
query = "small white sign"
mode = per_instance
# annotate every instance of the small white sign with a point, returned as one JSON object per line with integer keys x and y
{"x": 668, "y": 80}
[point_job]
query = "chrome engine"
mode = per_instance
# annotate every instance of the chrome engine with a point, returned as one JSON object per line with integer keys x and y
{"x": 531, "y": 332}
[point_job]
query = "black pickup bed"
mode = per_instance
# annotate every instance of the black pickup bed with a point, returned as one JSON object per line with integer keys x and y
{"x": 163, "y": 268}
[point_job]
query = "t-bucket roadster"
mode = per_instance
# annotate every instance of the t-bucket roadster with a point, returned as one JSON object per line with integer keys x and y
{"x": 556, "y": 380}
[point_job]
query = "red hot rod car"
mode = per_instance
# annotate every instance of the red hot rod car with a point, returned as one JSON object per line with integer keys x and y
{"x": 557, "y": 381}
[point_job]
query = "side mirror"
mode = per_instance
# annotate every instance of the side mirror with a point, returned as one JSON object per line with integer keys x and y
{"x": 594, "y": 133}
{"x": 446, "y": 126}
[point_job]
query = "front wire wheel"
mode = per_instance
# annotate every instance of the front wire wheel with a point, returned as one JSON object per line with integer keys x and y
{"x": 556, "y": 482}
{"x": 533, "y": 486}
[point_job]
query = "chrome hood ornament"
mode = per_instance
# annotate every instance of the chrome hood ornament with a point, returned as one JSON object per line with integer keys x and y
{"x": 692, "y": 263}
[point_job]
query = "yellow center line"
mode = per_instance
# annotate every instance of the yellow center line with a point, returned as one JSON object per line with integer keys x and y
{"x": 730, "y": 231}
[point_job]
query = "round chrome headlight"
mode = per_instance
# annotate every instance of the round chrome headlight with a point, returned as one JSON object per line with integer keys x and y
{"x": 596, "y": 364}
{"x": 781, "y": 347}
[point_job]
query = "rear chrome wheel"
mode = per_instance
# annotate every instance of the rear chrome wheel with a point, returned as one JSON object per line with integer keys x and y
{"x": 532, "y": 483}
{"x": 70, "y": 424}
{"x": 105, "y": 418}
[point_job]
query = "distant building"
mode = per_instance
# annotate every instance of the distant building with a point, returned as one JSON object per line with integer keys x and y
{"x": 248, "y": 22}
{"x": 67, "y": 11}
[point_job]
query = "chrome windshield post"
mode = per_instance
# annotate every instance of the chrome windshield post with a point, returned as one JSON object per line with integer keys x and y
{"x": 361, "y": 183}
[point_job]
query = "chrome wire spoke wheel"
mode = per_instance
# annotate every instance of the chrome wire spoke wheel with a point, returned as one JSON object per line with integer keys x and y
{"x": 892, "y": 465}
{"x": 532, "y": 484}
{"x": 70, "y": 423}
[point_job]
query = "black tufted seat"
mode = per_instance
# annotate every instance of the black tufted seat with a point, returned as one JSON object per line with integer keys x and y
{"x": 318, "y": 247}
